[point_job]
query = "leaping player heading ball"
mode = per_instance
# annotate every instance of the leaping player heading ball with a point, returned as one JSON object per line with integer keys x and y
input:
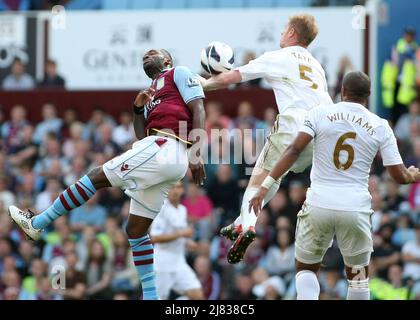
{"x": 299, "y": 84}
{"x": 164, "y": 114}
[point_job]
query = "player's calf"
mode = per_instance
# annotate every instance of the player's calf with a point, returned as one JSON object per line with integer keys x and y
{"x": 74, "y": 196}
{"x": 143, "y": 254}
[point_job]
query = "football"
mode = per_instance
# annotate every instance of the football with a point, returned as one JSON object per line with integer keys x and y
{"x": 217, "y": 57}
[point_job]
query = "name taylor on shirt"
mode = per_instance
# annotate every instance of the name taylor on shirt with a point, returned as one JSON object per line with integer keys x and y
{"x": 356, "y": 119}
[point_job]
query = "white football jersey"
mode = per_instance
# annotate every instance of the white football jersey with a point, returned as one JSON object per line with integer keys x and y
{"x": 347, "y": 137}
{"x": 297, "y": 78}
{"x": 170, "y": 256}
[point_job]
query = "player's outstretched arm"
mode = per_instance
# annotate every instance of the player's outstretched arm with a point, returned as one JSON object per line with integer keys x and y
{"x": 222, "y": 80}
{"x": 196, "y": 165}
{"x": 403, "y": 175}
{"x": 168, "y": 237}
{"x": 288, "y": 158}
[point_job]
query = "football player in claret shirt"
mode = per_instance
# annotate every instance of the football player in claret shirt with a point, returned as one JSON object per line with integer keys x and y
{"x": 164, "y": 115}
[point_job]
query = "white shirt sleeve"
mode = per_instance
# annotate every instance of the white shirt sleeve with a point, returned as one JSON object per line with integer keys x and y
{"x": 310, "y": 124}
{"x": 257, "y": 68}
{"x": 389, "y": 148}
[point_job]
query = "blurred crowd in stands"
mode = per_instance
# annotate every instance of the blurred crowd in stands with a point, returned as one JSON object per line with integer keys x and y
{"x": 38, "y": 160}
{"x": 165, "y": 4}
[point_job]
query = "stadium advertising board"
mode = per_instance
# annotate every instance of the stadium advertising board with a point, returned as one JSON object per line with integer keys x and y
{"x": 102, "y": 50}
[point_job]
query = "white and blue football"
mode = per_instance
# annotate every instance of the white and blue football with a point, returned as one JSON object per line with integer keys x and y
{"x": 217, "y": 57}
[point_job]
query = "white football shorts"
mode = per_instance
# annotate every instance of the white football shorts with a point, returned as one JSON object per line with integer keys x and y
{"x": 316, "y": 228}
{"x": 282, "y": 134}
{"x": 181, "y": 281}
{"x": 147, "y": 172}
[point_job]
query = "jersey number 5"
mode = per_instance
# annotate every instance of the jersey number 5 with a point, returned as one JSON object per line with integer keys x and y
{"x": 304, "y": 71}
{"x": 341, "y": 146}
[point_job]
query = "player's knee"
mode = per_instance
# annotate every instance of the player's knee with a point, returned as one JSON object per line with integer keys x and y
{"x": 98, "y": 178}
{"x": 135, "y": 231}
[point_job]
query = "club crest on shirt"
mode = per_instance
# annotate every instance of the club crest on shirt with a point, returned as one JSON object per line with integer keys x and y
{"x": 160, "y": 83}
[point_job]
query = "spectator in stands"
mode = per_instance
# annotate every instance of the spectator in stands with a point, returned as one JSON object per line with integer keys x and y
{"x": 411, "y": 257}
{"x": 51, "y": 78}
{"x": 393, "y": 199}
{"x": 344, "y": 67}
{"x": 75, "y": 136}
{"x": 46, "y": 198}
{"x": 414, "y": 200}
{"x": 70, "y": 116}
{"x": 123, "y": 135}
{"x": 210, "y": 280}
{"x": 227, "y": 202}
{"x": 98, "y": 117}
{"x": 26, "y": 151}
{"x": 199, "y": 208}
{"x": 402, "y": 128}
{"x": 404, "y": 231}
{"x": 43, "y": 167}
{"x": 31, "y": 284}
{"x": 75, "y": 280}
{"x": 18, "y": 79}
{"x": 245, "y": 116}
{"x": 280, "y": 258}
{"x": 7, "y": 198}
{"x": 51, "y": 123}
{"x": 125, "y": 275}
{"x": 91, "y": 214}
{"x": 333, "y": 286}
{"x": 414, "y": 158}
{"x": 215, "y": 119}
{"x": 266, "y": 231}
{"x": 270, "y": 115}
{"x": 243, "y": 288}
{"x": 78, "y": 169}
{"x": 104, "y": 144}
{"x": 11, "y": 130}
{"x": 385, "y": 252}
{"x": 98, "y": 273}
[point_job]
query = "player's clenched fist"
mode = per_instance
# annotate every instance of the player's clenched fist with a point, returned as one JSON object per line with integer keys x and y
{"x": 415, "y": 173}
{"x": 144, "y": 97}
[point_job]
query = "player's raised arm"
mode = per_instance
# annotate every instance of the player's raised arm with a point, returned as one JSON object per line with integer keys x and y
{"x": 290, "y": 155}
{"x": 139, "y": 121}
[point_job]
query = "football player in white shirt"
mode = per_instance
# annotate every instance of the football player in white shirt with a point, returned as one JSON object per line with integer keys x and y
{"x": 170, "y": 233}
{"x": 299, "y": 84}
{"x": 347, "y": 137}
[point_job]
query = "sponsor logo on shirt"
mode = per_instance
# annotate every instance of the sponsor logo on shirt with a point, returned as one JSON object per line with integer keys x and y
{"x": 193, "y": 82}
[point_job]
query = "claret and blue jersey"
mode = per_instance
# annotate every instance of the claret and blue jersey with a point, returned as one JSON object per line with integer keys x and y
{"x": 174, "y": 89}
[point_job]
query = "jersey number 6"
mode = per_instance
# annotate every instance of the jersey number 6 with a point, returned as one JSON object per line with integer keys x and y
{"x": 302, "y": 71}
{"x": 340, "y": 146}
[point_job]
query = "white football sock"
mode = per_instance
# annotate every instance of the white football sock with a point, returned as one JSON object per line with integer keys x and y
{"x": 307, "y": 285}
{"x": 249, "y": 219}
{"x": 358, "y": 290}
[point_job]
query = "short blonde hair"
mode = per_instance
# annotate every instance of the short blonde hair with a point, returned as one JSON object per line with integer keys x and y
{"x": 305, "y": 27}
